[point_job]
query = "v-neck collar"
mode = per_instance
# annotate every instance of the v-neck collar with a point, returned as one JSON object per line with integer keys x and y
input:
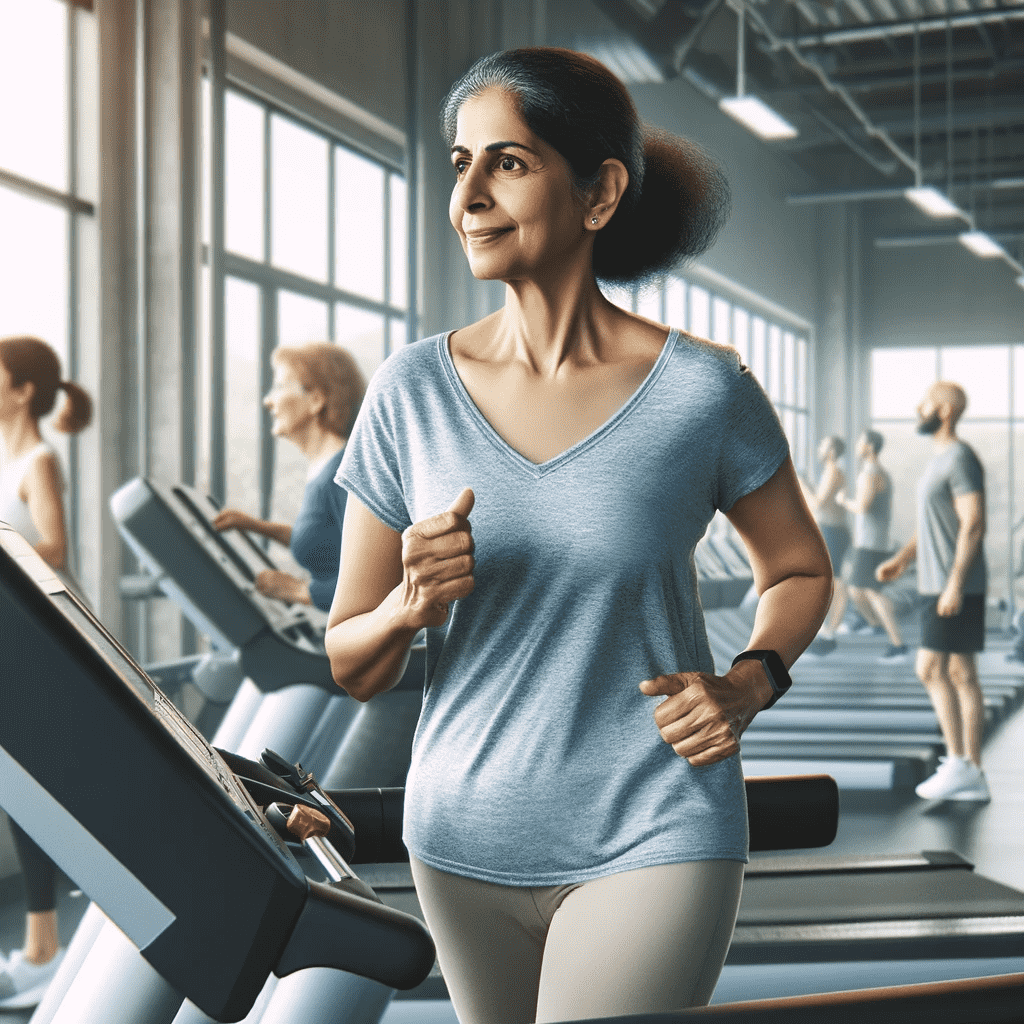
{"x": 539, "y": 469}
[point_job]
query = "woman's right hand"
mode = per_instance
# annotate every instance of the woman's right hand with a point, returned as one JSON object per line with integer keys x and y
{"x": 889, "y": 570}
{"x": 232, "y": 519}
{"x": 437, "y": 563}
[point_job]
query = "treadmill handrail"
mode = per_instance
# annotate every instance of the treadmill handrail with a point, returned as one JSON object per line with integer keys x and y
{"x": 786, "y": 812}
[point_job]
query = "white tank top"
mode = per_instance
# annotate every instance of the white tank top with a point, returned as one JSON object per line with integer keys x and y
{"x": 13, "y": 510}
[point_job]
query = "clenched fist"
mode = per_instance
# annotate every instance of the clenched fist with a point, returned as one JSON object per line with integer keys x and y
{"x": 704, "y": 715}
{"x": 437, "y": 562}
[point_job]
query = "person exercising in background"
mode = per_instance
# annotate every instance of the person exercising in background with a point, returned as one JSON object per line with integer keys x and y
{"x": 952, "y": 575}
{"x": 32, "y": 501}
{"x": 872, "y": 513}
{"x": 831, "y": 518}
{"x": 316, "y": 394}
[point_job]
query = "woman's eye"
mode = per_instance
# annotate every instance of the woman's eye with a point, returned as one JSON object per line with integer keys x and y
{"x": 508, "y": 163}
{"x": 460, "y": 166}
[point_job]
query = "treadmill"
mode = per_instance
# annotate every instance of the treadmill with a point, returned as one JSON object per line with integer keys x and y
{"x": 276, "y": 647}
{"x": 130, "y": 801}
{"x": 211, "y": 576}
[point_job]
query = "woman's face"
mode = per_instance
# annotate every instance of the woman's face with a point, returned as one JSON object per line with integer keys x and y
{"x": 292, "y": 406}
{"x": 514, "y": 206}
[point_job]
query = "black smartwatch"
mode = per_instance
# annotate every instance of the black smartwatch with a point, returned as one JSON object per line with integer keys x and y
{"x": 774, "y": 669}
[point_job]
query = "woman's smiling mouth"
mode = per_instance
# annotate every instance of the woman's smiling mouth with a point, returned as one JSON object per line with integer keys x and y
{"x": 484, "y": 235}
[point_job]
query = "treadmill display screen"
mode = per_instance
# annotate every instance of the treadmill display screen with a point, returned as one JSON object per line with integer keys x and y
{"x": 134, "y": 677}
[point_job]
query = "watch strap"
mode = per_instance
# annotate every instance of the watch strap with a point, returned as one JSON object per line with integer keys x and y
{"x": 774, "y": 668}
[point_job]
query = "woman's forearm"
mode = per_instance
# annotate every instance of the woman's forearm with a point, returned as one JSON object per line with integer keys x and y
{"x": 789, "y": 615}
{"x": 369, "y": 652}
{"x": 281, "y": 532}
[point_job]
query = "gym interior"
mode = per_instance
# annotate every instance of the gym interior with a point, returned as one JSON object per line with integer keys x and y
{"x": 186, "y": 185}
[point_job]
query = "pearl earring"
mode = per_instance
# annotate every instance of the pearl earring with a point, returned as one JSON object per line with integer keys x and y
{"x": 593, "y": 220}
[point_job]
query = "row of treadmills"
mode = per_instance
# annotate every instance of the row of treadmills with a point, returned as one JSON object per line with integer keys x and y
{"x": 179, "y": 798}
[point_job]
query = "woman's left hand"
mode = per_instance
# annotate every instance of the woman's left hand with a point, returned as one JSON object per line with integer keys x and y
{"x": 704, "y": 714}
{"x": 283, "y": 585}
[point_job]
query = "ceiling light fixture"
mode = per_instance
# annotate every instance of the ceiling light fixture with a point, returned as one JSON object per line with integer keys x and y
{"x": 749, "y": 111}
{"x": 926, "y": 198}
{"x": 931, "y": 201}
{"x": 981, "y": 244}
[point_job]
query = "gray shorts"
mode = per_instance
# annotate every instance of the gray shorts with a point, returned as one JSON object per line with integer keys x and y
{"x": 651, "y": 940}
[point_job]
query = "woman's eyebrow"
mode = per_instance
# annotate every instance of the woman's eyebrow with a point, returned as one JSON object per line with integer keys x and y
{"x": 492, "y": 147}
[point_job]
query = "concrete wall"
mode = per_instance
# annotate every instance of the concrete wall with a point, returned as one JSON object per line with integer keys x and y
{"x": 351, "y": 47}
{"x": 939, "y": 295}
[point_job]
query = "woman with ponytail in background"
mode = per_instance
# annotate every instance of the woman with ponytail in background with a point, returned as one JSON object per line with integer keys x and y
{"x": 32, "y": 501}
{"x": 530, "y": 489}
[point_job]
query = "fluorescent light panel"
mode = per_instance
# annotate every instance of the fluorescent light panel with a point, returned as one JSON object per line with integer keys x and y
{"x": 757, "y": 117}
{"x": 981, "y": 244}
{"x": 931, "y": 201}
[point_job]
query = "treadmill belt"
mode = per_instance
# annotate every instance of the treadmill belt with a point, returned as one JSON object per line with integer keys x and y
{"x": 875, "y": 896}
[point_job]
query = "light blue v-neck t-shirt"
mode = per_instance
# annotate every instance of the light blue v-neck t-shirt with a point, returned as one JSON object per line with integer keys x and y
{"x": 536, "y": 760}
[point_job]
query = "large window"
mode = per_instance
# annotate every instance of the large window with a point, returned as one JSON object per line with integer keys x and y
{"x": 993, "y": 377}
{"x": 777, "y": 356}
{"x": 315, "y": 249}
{"x": 39, "y": 204}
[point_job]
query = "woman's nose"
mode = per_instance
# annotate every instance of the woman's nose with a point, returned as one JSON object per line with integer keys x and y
{"x": 471, "y": 193}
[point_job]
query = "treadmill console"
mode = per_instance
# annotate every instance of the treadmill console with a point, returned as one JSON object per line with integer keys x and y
{"x": 120, "y": 790}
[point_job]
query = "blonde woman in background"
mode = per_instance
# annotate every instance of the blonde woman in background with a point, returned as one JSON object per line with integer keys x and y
{"x": 32, "y": 501}
{"x": 316, "y": 394}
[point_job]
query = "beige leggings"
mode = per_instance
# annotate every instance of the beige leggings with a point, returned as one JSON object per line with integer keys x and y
{"x": 651, "y": 940}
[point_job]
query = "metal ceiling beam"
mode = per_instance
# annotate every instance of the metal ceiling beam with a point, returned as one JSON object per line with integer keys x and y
{"x": 944, "y": 238}
{"x": 860, "y": 195}
{"x": 889, "y": 29}
{"x": 809, "y": 64}
{"x": 902, "y": 78}
{"x": 1003, "y": 111}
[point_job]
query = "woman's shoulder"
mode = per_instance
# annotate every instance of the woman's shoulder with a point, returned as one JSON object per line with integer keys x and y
{"x": 407, "y": 362}
{"x": 716, "y": 362}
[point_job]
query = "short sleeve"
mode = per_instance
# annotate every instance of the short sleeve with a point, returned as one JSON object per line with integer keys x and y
{"x": 967, "y": 475}
{"x": 753, "y": 444}
{"x": 370, "y": 468}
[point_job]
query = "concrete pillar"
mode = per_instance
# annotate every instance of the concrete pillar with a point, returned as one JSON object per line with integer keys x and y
{"x": 451, "y": 35}
{"x": 107, "y": 370}
{"x": 171, "y": 177}
{"x": 841, "y": 381}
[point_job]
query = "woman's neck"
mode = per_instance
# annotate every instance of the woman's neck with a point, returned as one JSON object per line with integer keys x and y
{"x": 316, "y": 443}
{"x": 545, "y": 327}
{"x": 20, "y": 435}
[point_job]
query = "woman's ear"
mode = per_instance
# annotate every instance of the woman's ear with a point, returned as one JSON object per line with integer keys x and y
{"x": 318, "y": 397}
{"x": 611, "y": 185}
{"x": 25, "y": 392}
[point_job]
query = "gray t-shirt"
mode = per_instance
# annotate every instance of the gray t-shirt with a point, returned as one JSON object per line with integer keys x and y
{"x": 536, "y": 760}
{"x": 871, "y": 528}
{"x": 953, "y": 472}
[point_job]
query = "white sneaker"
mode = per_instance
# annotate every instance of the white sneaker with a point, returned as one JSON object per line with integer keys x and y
{"x": 974, "y": 786}
{"x": 947, "y": 779}
{"x": 23, "y": 983}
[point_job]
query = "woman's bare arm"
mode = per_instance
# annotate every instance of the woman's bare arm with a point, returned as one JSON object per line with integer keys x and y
{"x": 704, "y": 714}
{"x": 44, "y": 495}
{"x": 233, "y": 519}
{"x": 390, "y": 586}
{"x": 792, "y": 572}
